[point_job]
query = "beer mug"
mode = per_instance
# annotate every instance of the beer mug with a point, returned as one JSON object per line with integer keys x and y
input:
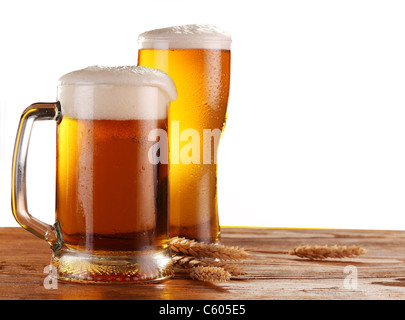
{"x": 197, "y": 58}
{"x": 111, "y": 195}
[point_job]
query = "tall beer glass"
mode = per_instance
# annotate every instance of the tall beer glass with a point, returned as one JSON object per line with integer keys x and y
{"x": 111, "y": 199}
{"x": 197, "y": 58}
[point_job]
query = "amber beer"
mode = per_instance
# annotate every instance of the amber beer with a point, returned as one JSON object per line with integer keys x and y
{"x": 110, "y": 197}
{"x": 197, "y": 58}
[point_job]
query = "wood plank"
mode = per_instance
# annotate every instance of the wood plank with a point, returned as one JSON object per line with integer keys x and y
{"x": 380, "y": 273}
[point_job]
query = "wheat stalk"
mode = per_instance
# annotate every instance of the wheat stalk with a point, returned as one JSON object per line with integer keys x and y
{"x": 183, "y": 246}
{"x": 187, "y": 262}
{"x": 321, "y": 252}
{"x": 208, "y": 273}
{"x": 318, "y": 252}
{"x": 205, "y": 261}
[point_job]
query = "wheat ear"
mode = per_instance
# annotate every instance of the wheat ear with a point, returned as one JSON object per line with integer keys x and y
{"x": 317, "y": 252}
{"x": 207, "y": 273}
{"x": 183, "y": 246}
{"x": 185, "y": 263}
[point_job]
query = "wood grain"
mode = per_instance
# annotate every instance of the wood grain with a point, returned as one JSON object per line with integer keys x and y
{"x": 380, "y": 273}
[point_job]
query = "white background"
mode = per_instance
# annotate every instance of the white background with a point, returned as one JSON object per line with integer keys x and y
{"x": 315, "y": 136}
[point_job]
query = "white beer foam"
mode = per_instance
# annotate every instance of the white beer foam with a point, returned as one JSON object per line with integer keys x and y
{"x": 116, "y": 93}
{"x": 192, "y": 36}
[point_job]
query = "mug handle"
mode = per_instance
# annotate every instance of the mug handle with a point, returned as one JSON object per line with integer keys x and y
{"x": 36, "y": 111}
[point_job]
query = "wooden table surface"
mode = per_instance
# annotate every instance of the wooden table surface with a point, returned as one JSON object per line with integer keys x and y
{"x": 379, "y": 274}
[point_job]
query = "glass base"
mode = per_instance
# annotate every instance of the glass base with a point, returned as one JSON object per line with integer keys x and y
{"x": 112, "y": 267}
